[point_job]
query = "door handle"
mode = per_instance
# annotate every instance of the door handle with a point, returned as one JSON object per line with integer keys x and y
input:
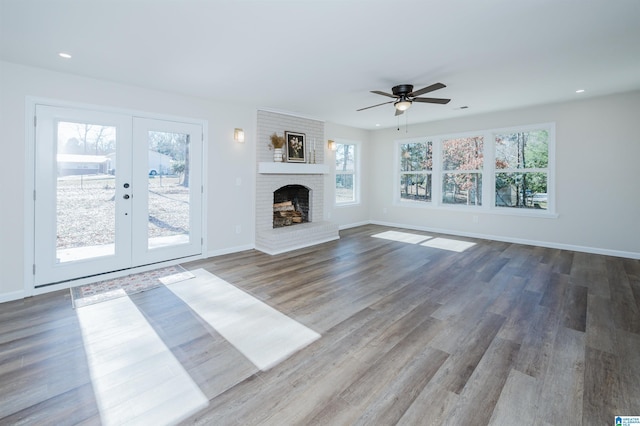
{"x": 126, "y": 196}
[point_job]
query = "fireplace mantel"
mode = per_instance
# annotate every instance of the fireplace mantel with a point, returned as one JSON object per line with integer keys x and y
{"x": 292, "y": 168}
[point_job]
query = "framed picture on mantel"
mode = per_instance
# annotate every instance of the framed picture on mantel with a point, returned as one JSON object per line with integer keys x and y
{"x": 296, "y": 147}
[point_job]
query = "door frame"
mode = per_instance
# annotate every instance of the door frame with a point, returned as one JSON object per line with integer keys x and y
{"x": 30, "y": 184}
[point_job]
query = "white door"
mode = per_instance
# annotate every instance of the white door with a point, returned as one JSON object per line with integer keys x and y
{"x": 113, "y": 192}
{"x": 167, "y": 196}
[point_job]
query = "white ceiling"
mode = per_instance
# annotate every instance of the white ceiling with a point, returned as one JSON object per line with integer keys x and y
{"x": 320, "y": 58}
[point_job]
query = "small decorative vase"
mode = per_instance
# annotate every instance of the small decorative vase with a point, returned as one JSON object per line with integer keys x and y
{"x": 277, "y": 155}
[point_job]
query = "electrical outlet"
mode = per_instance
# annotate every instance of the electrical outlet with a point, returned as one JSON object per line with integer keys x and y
{"x": 238, "y": 229}
{"x": 475, "y": 218}
{"x": 384, "y": 210}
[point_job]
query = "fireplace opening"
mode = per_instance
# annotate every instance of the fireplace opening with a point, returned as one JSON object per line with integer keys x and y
{"x": 290, "y": 205}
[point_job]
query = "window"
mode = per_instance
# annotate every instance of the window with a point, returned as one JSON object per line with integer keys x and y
{"x": 507, "y": 171}
{"x": 416, "y": 164}
{"x": 521, "y": 174}
{"x": 346, "y": 178}
{"x": 462, "y": 161}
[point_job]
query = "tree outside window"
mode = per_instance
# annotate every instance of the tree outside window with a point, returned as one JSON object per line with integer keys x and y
{"x": 346, "y": 173}
{"x": 462, "y": 163}
{"x": 416, "y": 164}
{"x": 522, "y": 161}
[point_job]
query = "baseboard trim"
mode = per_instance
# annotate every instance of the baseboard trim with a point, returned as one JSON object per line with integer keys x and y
{"x": 561, "y": 246}
{"x": 230, "y": 250}
{"x": 353, "y": 225}
{"x": 14, "y": 295}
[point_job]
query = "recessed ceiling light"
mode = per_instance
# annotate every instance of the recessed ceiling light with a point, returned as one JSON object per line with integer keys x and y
{"x": 377, "y": 124}
{"x": 580, "y": 91}
{"x": 64, "y": 55}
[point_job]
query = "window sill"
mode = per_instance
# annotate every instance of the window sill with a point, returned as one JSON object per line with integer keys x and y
{"x": 504, "y": 211}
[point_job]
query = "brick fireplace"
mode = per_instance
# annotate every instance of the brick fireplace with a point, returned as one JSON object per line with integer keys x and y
{"x": 272, "y": 177}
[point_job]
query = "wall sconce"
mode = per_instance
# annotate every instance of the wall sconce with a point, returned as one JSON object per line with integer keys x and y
{"x": 332, "y": 145}
{"x": 238, "y": 135}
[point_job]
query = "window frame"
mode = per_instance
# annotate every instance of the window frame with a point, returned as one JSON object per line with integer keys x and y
{"x": 355, "y": 173}
{"x": 426, "y": 172}
{"x": 477, "y": 171}
{"x": 488, "y": 172}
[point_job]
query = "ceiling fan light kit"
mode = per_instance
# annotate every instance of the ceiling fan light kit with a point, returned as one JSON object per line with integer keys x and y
{"x": 402, "y": 105}
{"x": 404, "y": 96}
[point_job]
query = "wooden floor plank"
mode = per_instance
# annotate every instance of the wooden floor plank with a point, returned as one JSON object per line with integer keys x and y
{"x": 500, "y": 333}
{"x": 518, "y": 401}
{"x": 480, "y": 395}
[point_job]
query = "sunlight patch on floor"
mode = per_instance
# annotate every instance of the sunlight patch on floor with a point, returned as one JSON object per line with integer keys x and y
{"x": 426, "y": 240}
{"x": 135, "y": 377}
{"x": 403, "y": 237}
{"x": 262, "y": 334}
{"x": 448, "y": 244}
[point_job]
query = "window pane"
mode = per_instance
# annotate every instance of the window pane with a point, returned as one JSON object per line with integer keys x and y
{"x": 416, "y": 156}
{"x": 85, "y": 191}
{"x": 523, "y": 190}
{"x": 168, "y": 183}
{"x": 462, "y": 188}
{"x": 344, "y": 188}
{"x": 345, "y": 157}
{"x": 522, "y": 150}
{"x": 415, "y": 187}
{"x": 463, "y": 153}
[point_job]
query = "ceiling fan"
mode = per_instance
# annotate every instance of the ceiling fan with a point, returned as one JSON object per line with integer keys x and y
{"x": 404, "y": 96}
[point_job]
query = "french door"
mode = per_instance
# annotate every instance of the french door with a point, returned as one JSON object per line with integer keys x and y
{"x": 113, "y": 191}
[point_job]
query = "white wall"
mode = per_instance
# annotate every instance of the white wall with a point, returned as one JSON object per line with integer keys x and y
{"x": 597, "y": 146}
{"x": 356, "y": 214}
{"x": 228, "y": 163}
{"x": 597, "y": 176}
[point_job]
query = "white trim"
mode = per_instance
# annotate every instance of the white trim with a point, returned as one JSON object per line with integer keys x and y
{"x": 537, "y": 243}
{"x": 461, "y": 208}
{"x": 283, "y": 168}
{"x": 230, "y": 250}
{"x": 29, "y": 202}
{"x": 354, "y": 225}
{"x": 14, "y": 295}
{"x": 356, "y": 173}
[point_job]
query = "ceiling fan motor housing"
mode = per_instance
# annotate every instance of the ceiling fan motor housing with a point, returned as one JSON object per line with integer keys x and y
{"x": 402, "y": 89}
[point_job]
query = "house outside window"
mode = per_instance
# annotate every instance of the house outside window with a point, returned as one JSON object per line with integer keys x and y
{"x": 416, "y": 169}
{"x": 346, "y": 173}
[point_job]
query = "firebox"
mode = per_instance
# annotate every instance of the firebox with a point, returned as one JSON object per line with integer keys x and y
{"x": 290, "y": 205}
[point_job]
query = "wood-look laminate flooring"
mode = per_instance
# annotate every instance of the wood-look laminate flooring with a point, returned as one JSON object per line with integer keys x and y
{"x": 416, "y": 329}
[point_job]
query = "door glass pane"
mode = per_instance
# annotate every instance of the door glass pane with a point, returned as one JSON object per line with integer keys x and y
{"x": 168, "y": 183}
{"x": 85, "y": 191}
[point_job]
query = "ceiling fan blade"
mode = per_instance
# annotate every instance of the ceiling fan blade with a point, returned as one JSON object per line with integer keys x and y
{"x": 431, "y": 100}
{"x": 427, "y": 89}
{"x": 377, "y": 92}
{"x": 373, "y": 106}
{"x": 399, "y": 112}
